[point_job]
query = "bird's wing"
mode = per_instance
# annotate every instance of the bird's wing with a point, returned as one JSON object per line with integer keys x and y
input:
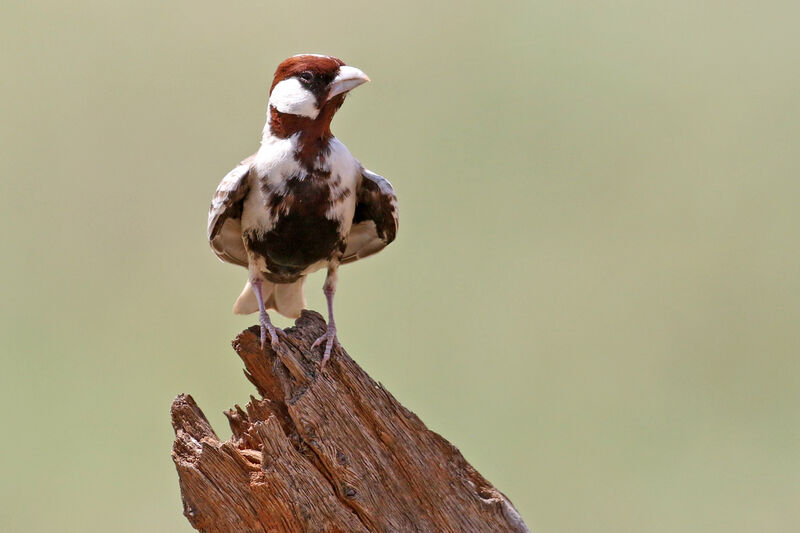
{"x": 375, "y": 219}
{"x": 225, "y": 213}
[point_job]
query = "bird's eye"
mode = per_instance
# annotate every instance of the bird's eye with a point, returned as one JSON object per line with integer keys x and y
{"x": 306, "y": 76}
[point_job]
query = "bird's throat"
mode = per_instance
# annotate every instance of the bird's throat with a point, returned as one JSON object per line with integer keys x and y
{"x": 313, "y": 134}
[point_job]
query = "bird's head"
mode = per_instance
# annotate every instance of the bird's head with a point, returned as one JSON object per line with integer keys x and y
{"x": 312, "y": 86}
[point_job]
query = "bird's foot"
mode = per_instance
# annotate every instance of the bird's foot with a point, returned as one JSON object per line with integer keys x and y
{"x": 330, "y": 340}
{"x": 266, "y": 326}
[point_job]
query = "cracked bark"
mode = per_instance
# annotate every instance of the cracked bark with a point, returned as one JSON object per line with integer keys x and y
{"x": 325, "y": 452}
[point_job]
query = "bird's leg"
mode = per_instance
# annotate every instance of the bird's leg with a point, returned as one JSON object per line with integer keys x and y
{"x": 329, "y": 288}
{"x": 266, "y": 324}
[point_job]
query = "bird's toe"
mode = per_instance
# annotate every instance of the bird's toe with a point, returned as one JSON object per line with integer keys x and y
{"x": 330, "y": 339}
{"x": 268, "y": 328}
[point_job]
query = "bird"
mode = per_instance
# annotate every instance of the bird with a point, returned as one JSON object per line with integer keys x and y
{"x": 302, "y": 202}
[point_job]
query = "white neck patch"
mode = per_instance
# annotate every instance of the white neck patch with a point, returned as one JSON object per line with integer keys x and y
{"x": 289, "y": 96}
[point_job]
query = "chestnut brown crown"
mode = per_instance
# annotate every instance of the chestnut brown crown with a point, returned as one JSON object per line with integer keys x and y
{"x": 306, "y": 92}
{"x": 306, "y": 84}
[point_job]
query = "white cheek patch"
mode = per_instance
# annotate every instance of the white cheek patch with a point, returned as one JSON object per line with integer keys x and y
{"x": 289, "y": 96}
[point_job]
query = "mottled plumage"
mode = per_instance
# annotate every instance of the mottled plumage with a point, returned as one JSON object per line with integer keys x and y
{"x": 302, "y": 202}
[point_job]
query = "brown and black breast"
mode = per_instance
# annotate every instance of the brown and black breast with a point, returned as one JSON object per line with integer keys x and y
{"x": 301, "y": 234}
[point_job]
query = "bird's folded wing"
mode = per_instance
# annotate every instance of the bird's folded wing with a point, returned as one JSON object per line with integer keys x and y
{"x": 224, "y": 215}
{"x": 375, "y": 220}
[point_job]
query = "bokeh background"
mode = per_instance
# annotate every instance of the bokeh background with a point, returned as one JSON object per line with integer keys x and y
{"x": 595, "y": 292}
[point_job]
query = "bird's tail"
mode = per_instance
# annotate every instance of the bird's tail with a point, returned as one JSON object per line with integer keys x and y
{"x": 287, "y": 299}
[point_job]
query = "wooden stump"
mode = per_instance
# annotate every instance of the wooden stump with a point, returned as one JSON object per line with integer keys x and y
{"x": 328, "y": 451}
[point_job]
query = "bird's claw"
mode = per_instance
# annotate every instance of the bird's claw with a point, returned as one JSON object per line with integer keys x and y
{"x": 330, "y": 341}
{"x": 266, "y": 326}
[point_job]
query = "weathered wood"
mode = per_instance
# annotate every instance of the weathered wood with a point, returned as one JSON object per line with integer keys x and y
{"x": 325, "y": 452}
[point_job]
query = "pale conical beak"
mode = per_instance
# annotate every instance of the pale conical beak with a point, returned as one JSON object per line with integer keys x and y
{"x": 348, "y": 78}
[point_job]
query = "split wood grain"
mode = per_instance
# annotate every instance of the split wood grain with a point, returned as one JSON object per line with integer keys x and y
{"x": 328, "y": 451}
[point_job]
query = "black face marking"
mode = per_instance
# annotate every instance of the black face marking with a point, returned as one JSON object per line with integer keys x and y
{"x": 317, "y": 83}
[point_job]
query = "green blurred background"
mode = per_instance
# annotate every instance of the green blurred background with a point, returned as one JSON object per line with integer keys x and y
{"x": 595, "y": 292}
